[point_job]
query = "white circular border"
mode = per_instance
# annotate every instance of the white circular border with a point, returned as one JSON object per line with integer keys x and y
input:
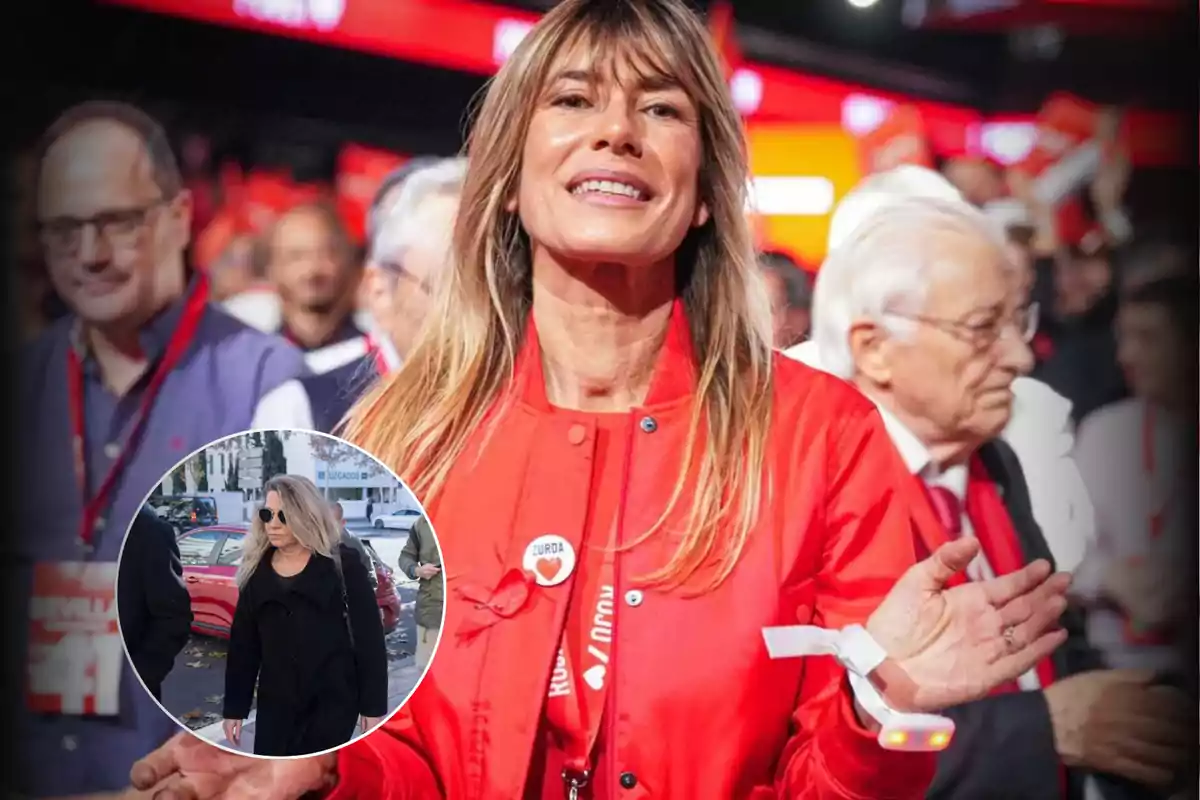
{"x": 117, "y": 609}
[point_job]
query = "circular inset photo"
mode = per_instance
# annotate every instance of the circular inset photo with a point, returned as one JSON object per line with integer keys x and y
{"x": 280, "y": 593}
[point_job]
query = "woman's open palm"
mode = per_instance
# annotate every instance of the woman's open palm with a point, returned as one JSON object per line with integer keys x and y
{"x": 188, "y": 768}
{"x": 956, "y": 644}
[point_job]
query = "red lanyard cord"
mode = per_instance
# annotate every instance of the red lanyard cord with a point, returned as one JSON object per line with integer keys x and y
{"x": 375, "y": 351}
{"x": 181, "y": 339}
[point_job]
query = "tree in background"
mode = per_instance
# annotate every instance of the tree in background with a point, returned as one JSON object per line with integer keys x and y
{"x": 231, "y": 476}
{"x": 200, "y": 470}
{"x": 274, "y": 461}
{"x": 179, "y": 479}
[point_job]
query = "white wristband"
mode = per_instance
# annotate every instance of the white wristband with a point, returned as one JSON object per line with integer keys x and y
{"x": 857, "y": 651}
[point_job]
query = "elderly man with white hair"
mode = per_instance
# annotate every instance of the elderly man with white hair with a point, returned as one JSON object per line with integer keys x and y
{"x": 409, "y": 228}
{"x": 1039, "y": 429}
{"x": 917, "y": 308}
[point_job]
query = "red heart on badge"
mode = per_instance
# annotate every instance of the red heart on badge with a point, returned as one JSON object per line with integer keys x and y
{"x": 548, "y": 568}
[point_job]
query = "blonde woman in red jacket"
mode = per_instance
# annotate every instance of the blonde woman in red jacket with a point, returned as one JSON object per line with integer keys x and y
{"x": 628, "y": 485}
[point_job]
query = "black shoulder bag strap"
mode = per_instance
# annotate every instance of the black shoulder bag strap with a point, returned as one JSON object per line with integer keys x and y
{"x": 337, "y": 566}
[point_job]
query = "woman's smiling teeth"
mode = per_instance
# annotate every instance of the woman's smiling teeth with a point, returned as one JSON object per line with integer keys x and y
{"x": 608, "y": 187}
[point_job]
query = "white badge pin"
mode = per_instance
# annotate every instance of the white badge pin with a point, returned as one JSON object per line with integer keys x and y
{"x": 550, "y": 558}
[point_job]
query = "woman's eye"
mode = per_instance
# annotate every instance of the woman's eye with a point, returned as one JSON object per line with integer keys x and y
{"x": 664, "y": 110}
{"x": 570, "y": 101}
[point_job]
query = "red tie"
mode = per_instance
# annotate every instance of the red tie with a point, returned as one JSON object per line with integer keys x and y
{"x": 948, "y": 509}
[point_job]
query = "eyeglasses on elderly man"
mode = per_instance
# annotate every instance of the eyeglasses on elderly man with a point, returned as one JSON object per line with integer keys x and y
{"x": 983, "y": 330}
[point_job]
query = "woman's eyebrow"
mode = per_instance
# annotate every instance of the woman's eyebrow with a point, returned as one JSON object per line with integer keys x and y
{"x": 647, "y": 83}
{"x": 580, "y": 75}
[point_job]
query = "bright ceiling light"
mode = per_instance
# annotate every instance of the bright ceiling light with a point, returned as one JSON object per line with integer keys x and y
{"x": 861, "y": 3}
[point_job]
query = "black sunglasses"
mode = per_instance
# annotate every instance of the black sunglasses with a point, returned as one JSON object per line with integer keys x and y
{"x": 266, "y": 515}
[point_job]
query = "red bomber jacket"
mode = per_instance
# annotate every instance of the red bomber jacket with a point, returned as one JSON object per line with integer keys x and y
{"x": 695, "y": 708}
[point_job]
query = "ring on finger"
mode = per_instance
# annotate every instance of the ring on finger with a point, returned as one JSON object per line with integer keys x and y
{"x": 1010, "y": 637}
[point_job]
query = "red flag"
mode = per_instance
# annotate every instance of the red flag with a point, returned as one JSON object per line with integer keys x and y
{"x": 721, "y": 26}
{"x": 900, "y": 139}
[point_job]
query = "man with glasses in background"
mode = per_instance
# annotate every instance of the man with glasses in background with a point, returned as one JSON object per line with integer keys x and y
{"x": 141, "y": 372}
{"x": 409, "y": 229}
{"x": 1039, "y": 429}
{"x": 917, "y": 308}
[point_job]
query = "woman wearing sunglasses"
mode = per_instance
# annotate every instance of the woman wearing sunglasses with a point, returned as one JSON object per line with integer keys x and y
{"x": 306, "y": 629}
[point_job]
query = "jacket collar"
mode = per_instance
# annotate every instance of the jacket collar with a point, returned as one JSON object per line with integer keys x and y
{"x": 315, "y": 582}
{"x": 673, "y": 382}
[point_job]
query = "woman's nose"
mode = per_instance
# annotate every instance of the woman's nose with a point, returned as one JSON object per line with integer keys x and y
{"x": 617, "y": 130}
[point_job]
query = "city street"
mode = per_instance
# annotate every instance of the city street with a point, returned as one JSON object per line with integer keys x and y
{"x": 193, "y": 691}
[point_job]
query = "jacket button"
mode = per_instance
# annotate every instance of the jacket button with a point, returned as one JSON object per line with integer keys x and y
{"x": 576, "y": 434}
{"x": 634, "y": 598}
{"x": 649, "y": 424}
{"x": 628, "y": 780}
{"x": 70, "y": 744}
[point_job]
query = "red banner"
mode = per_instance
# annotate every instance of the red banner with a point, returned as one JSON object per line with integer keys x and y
{"x": 484, "y": 35}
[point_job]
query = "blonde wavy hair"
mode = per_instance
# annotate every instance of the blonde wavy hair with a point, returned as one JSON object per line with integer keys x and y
{"x": 309, "y": 518}
{"x": 462, "y": 366}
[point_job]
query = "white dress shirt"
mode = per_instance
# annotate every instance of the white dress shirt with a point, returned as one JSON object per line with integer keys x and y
{"x": 1040, "y": 434}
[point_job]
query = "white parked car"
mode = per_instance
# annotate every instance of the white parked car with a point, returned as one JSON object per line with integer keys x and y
{"x": 401, "y": 520}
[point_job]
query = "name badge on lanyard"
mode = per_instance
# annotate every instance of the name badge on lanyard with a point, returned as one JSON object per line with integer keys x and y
{"x": 75, "y": 653}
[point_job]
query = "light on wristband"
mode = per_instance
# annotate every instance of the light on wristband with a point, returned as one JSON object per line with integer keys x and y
{"x": 860, "y": 654}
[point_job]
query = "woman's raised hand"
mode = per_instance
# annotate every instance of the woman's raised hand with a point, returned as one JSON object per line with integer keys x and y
{"x": 189, "y": 768}
{"x": 953, "y": 645}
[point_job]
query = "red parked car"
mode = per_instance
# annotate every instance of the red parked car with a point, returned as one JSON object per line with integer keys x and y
{"x": 211, "y": 557}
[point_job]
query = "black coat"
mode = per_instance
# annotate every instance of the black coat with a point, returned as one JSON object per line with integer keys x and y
{"x": 154, "y": 607}
{"x": 1003, "y": 746}
{"x": 293, "y": 639}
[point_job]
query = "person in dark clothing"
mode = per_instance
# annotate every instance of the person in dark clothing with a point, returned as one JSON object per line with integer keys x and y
{"x": 1075, "y": 347}
{"x": 332, "y": 393}
{"x": 306, "y": 630}
{"x": 349, "y": 540}
{"x": 153, "y": 605}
